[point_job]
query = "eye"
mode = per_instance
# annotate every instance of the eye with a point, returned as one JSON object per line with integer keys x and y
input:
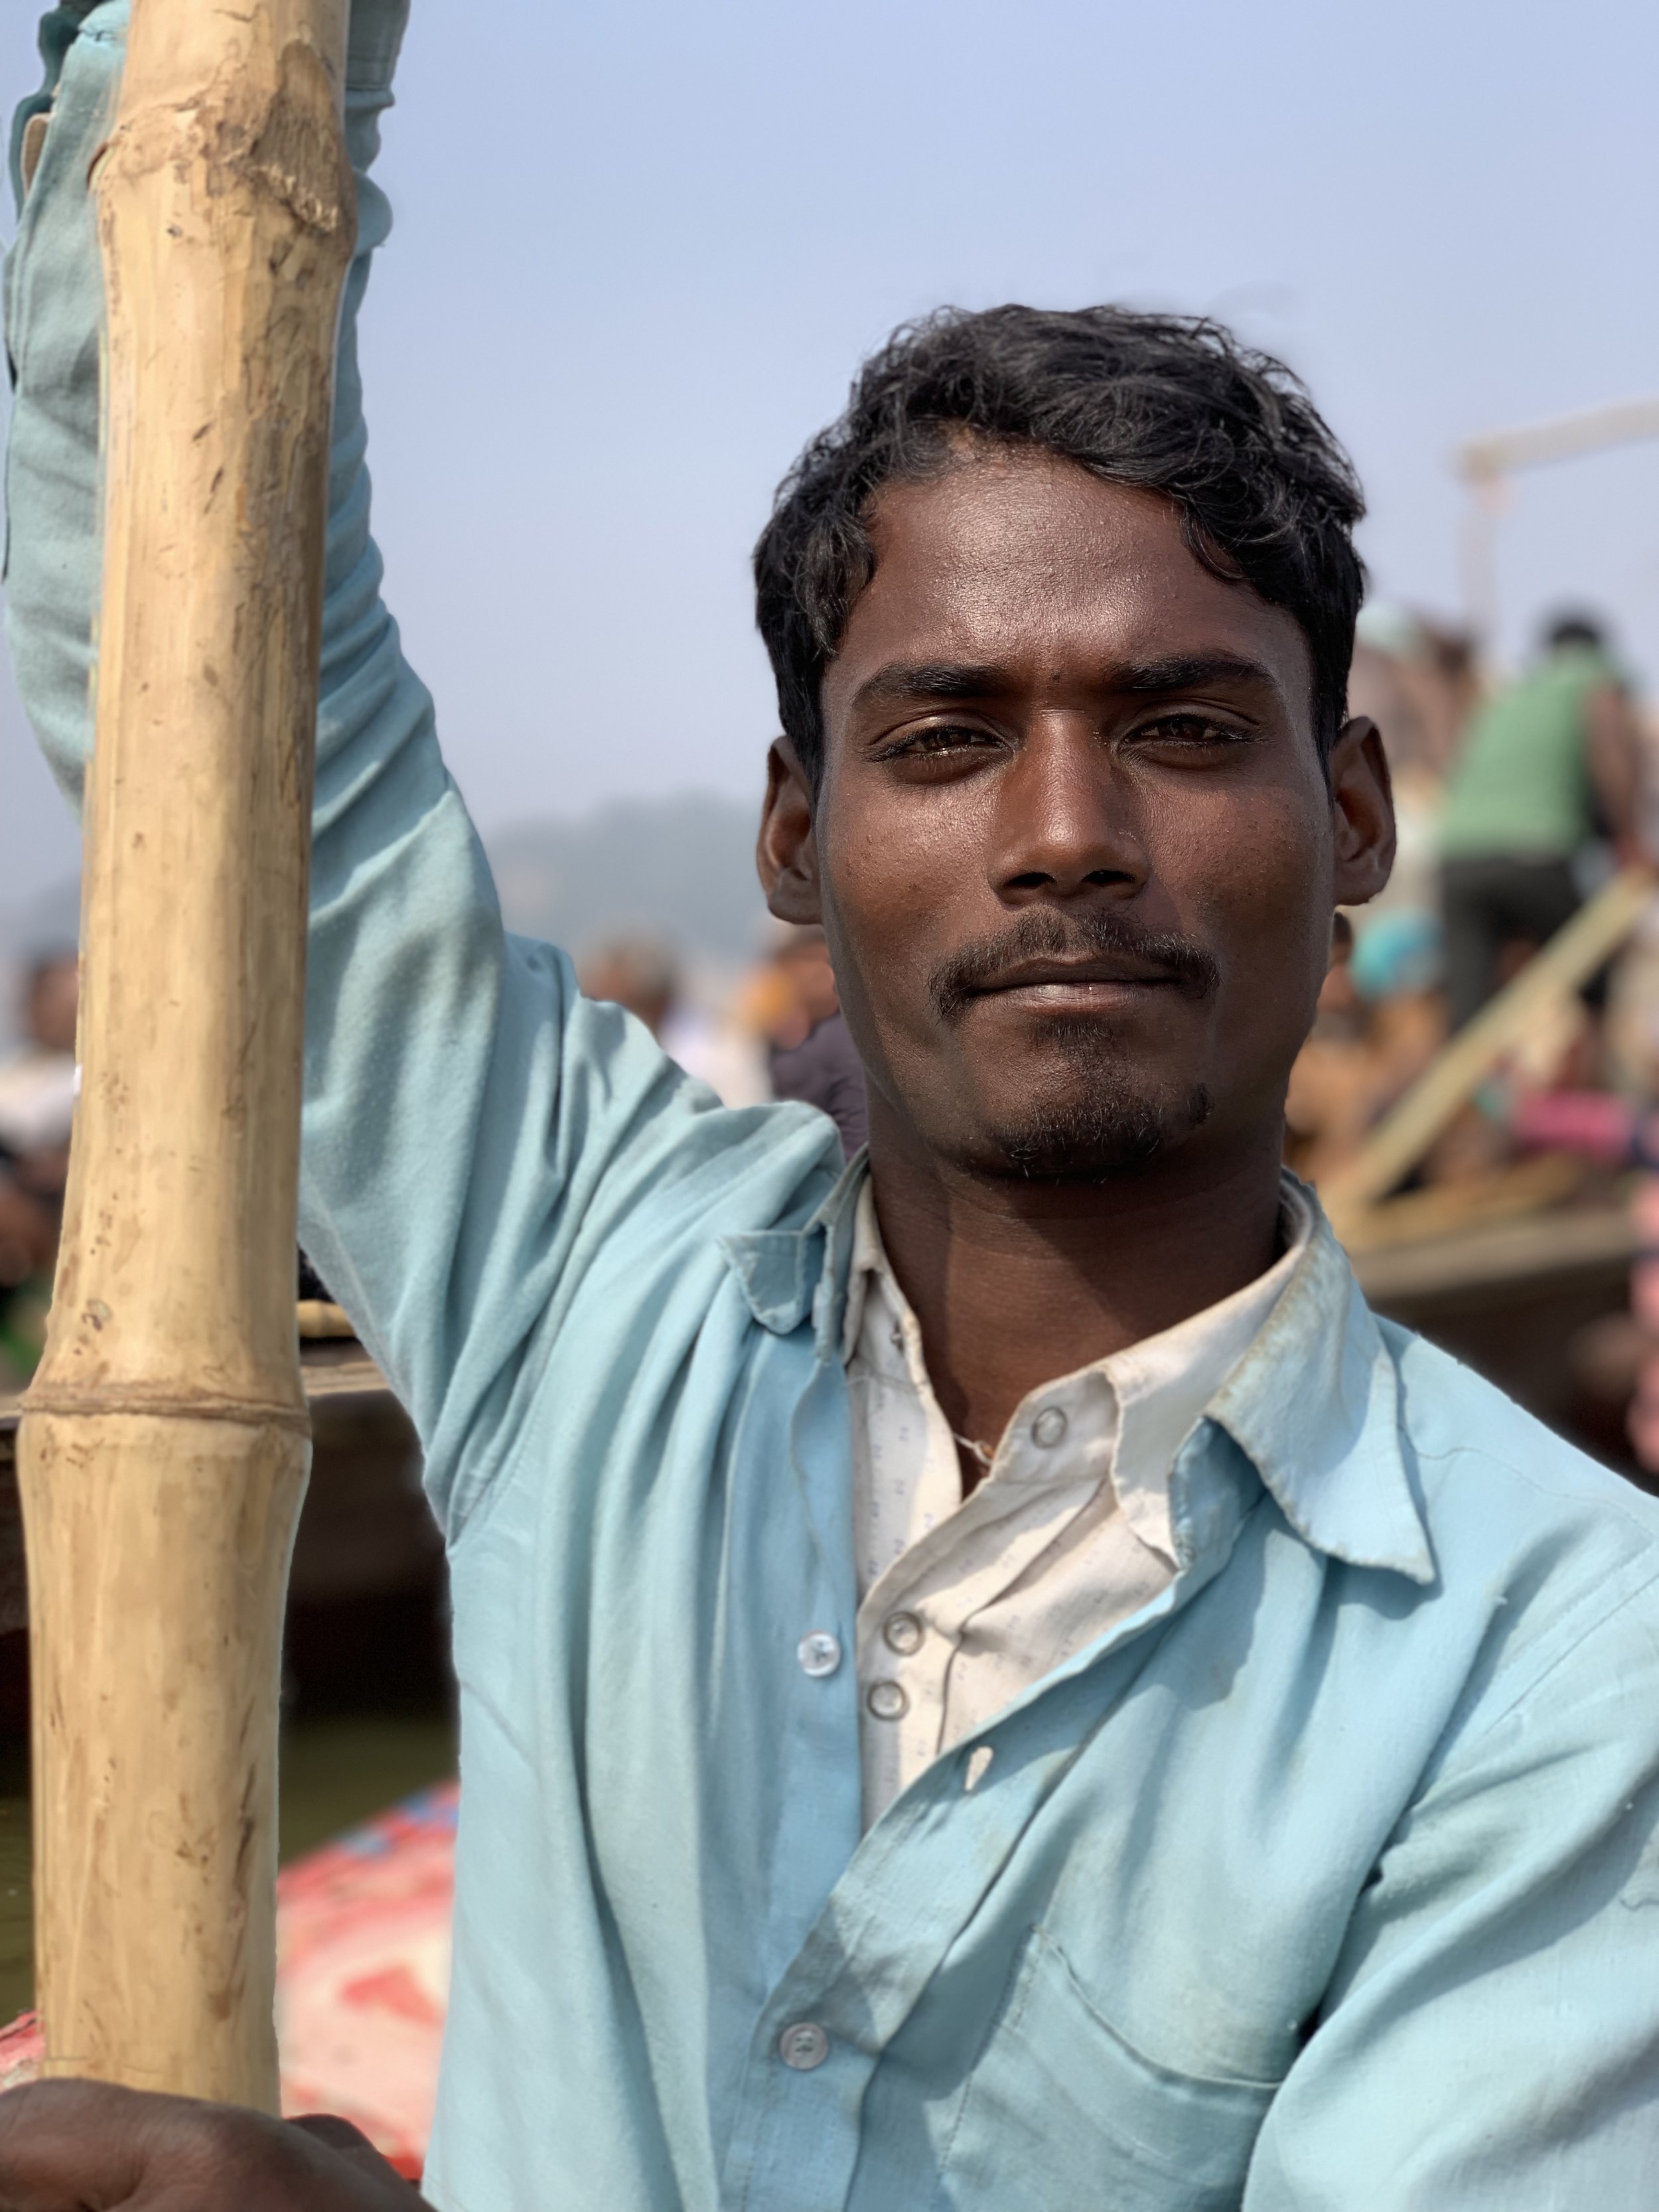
{"x": 936, "y": 741}
{"x": 1190, "y": 730}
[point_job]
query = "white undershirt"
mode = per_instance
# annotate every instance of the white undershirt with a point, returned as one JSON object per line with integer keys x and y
{"x": 965, "y": 1602}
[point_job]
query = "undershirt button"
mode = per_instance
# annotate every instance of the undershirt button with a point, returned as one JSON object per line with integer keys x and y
{"x": 902, "y": 1633}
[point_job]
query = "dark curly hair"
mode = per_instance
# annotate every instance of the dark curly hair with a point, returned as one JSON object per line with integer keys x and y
{"x": 1171, "y": 404}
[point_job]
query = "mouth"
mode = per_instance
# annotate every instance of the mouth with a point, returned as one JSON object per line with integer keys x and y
{"x": 1100, "y": 966}
{"x": 1101, "y": 983}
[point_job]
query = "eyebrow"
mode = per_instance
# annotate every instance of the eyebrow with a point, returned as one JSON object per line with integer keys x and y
{"x": 1191, "y": 671}
{"x": 902, "y": 682}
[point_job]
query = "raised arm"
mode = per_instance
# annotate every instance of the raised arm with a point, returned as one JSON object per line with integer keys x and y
{"x": 472, "y": 1126}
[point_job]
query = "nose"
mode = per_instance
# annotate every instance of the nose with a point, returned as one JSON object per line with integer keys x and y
{"x": 1064, "y": 824}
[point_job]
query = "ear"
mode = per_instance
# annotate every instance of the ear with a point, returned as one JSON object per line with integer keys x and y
{"x": 786, "y": 851}
{"x": 1362, "y": 814}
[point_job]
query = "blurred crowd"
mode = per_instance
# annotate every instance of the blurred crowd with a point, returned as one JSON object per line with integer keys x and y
{"x": 774, "y": 1031}
{"x": 1515, "y": 802}
{"x": 1518, "y": 802}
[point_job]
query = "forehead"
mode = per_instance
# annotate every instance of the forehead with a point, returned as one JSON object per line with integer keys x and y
{"x": 1028, "y": 562}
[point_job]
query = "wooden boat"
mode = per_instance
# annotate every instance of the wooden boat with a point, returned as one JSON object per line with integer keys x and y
{"x": 366, "y": 1619}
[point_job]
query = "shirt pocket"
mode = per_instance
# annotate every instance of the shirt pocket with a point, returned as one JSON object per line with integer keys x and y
{"x": 1062, "y": 2111}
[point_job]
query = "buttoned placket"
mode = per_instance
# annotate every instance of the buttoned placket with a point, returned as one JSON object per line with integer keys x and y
{"x": 945, "y": 1636}
{"x": 1049, "y": 1469}
{"x": 912, "y": 1622}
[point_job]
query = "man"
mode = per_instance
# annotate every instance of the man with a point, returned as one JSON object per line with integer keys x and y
{"x": 986, "y": 1680}
{"x": 1548, "y": 761}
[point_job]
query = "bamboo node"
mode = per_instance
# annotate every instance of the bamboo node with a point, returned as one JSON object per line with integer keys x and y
{"x": 167, "y": 1405}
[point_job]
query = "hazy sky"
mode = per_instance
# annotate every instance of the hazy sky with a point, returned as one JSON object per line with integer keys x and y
{"x": 640, "y": 247}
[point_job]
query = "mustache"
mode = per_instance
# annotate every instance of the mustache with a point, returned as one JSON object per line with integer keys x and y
{"x": 1044, "y": 934}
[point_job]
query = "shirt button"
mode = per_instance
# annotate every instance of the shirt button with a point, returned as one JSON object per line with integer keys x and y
{"x": 803, "y": 2046}
{"x": 904, "y": 1633}
{"x": 1049, "y": 1425}
{"x": 819, "y": 1653}
{"x": 887, "y": 1701}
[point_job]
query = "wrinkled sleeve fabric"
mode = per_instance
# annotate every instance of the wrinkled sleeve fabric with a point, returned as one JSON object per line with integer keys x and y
{"x": 469, "y": 1117}
{"x": 1491, "y": 2039}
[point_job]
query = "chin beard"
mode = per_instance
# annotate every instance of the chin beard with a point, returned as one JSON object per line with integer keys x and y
{"x": 1098, "y": 1126}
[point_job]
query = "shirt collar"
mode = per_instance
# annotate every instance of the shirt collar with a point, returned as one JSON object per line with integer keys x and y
{"x": 869, "y": 1263}
{"x": 1314, "y": 1404}
{"x": 1127, "y": 1414}
{"x": 1164, "y": 1385}
{"x": 784, "y": 1274}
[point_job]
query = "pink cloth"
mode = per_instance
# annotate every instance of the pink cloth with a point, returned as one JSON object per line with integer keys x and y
{"x": 362, "y": 1974}
{"x": 1591, "y": 1122}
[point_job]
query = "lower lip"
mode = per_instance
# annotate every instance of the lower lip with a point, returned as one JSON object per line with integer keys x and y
{"x": 1095, "y": 997}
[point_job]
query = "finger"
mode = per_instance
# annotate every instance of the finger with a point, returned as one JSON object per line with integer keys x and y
{"x": 351, "y": 2143}
{"x": 340, "y": 2135}
{"x": 72, "y": 2146}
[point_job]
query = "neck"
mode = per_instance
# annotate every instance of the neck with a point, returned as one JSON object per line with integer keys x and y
{"x": 1016, "y": 1282}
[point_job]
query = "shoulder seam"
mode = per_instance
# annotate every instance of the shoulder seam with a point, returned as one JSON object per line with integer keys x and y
{"x": 1614, "y": 1504}
{"x": 1601, "y": 1622}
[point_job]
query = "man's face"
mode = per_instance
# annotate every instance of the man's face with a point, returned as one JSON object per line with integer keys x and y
{"x": 1074, "y": 849}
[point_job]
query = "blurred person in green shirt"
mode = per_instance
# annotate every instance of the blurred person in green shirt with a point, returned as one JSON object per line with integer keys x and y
{"x": 1550, "y": 764}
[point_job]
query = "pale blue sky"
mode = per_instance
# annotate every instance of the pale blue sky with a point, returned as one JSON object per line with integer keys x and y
{"x": 641, "y": 246}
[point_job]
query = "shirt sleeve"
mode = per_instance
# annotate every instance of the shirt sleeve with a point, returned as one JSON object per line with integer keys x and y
{"x": 468, "y": 1116}
{"x": 1491, "y": 2038}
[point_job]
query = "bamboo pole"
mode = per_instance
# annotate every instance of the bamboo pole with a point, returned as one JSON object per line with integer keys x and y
{"x": 1406, "y": 1132}
{"x": 164, "y": 1448}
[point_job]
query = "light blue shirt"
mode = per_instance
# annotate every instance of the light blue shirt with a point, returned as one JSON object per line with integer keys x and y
{"x": 1328, "y": 1880}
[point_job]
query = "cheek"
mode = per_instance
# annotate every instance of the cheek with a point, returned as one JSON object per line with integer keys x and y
{"x": 871, "y": 901}
{"x": 1266, "y": 911}
{"x": 891, "y": 880}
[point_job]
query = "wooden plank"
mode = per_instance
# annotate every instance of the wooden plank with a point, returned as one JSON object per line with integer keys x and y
{"x": 1537, "y": 1252}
